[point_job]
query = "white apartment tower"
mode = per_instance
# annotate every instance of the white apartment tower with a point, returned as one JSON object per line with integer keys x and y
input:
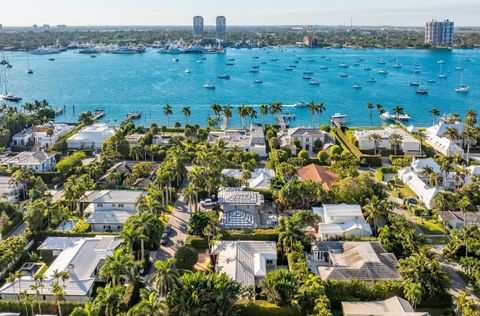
{"x": 439, "y": 33}
{"x": 221, "y": 27}
{"x": 197, "y": 26}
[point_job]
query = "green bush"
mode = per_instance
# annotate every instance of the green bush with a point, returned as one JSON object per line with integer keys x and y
{"x": 186, "y": 257}
{"x": 322, "y": 156}
{"x": 382, "y": 170}
{"x": 269, "y": 234}
{"x": 335, "y": 150}
{"x": 81, "y": 227}
{"x": 66, "y": 165}
{"x": 48, "y": 307}
{"x": 265, "y": 308}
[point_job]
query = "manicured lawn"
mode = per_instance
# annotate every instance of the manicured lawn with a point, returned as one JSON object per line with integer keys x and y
{"x": 404, "y": 190}
{"x": 428, "y": 227}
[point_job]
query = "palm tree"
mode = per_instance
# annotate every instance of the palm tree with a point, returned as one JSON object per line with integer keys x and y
{"x": 117, "y": 266}
{"x": 37, "y": 287}
{"x": 380, "y": 110}
{"x": 58, "y": 290}
{"x": 109, "y": 298}
{"x": 451, "y": 133}
{"x": 395, "y": 140}
{"x": 227, "y": 112}
{"x": 242, "y": 111}
{"x": 263, "y": 111}
{"x": 165, "y": 277}
{"x": 186, "y": 113}
{"x": 398, "y": 110}
{"x": 435, "y": 113}
{"x": 413, "y": 293}
{"x": 189, "y": 195}
{"x": 275, "y": 108}
{"x": 471, "y": 118}
{"x": 149, "y": 305}
{"x": 312, "y": 107}
{"x": 370, "y": 109}
{"x": 466, "y": 206}
{"x": 288, "y": 233}
{"x": 20, "y": 177}
{"x": 376, "y": 212}
{"x": 167, "y": 111}
{"x": 376, "y": 139}
{"x": 320, "y": 109}
{"x": 216, "y": 108}
{"x": 445, "y": 164}
{"x": 469, "y": 136}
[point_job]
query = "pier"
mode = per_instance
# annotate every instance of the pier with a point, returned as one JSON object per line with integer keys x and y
{"x": 282, "y": 120}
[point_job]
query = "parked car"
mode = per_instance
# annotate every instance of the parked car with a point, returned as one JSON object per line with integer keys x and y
{"x": 168, "y": 229}
{"x": 164, "y": 239}
{"x": 207, "y": 203}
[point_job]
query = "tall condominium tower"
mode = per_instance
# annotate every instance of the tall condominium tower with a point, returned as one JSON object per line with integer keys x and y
{"x": 197, "y": 26}
{"x": 221, "y": 27}
{"x": 439, "y": 33}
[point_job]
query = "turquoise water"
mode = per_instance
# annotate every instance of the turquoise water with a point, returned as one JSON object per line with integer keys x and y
{"x": 146, "y": 82}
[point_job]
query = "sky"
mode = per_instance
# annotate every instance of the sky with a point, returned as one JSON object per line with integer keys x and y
{"x": 241, "y": 12}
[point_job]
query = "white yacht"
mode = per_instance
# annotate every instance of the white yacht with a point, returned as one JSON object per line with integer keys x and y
{"x": 210, "y": 86}
{"x": 462, "y": 89}
{"x": 314, "y": 82}
{"x": 393, "y": 117}
{"x": 357, "y": 86}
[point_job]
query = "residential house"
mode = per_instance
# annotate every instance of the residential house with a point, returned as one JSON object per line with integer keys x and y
{"x": 253, "y": 140}
{"x": 125, "y": 168}
{"x": 134, "y": 139}
{"x": 81, "y": 259}
{"x": 164, "y": 139}
{"x": 435, "y": 137}
{"x": 37, "y": 161}
{"x": 10, "y": 192}
{"x": 409, "y": 145}
{"x": 90, "y": 137}
{"x": 259, "y": 178}
{"x": 341, "y": 220}
{"x": 240, "y": 208}
{"x": 326, "y": 177}
{"x": 42, "y": 137}
{"x": 108, "y": 210}
{"x": 394, "y": 306}
{"x": 415, "y": 178}
{"x": 306, "y": 136}
{"x": 247, "y": 262}
{"x": 456, "y": 219}
{"x": 24, "y": 138}
{"x": 347, "y": 260}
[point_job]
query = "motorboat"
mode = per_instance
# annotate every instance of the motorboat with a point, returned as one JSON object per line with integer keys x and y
{"x": 415, "y": 84}
{"x": 416, "y": 70}
{"x": 431, "y": 81}
{"x": 343, "y": 75}
{"x": 443, "y": 75}
{"x": 421, "y": 91}
{"x": 258, "y": 81}
{"x": 176, "y": 60}
{"x": 288, "y": 68}
{"x": 357, "y": 86}
{"x": 339, "y": 119}
{"x": 382, "y": 62}
{"x": 223, "y": 76}
{"x": 308, "y": 72}
{"x": 323, "y": 67}
{"x": 397, "y": 66}
{"x": 372, "y": 80}
{"x": 229, "y": 63}
{"x": 134, "y": 115}
{"x": 254, "y": 70}
{"x": 274, "y": 59}
{"x": 367, "y": 68}
{"x": 209, "y": 86}
{"x": 187, "y": 71}
{"x": 300, "y": 104}
{"x": 394, "y": 117}
{"x": 343, "y": 65}
{"x": 314, "y": 82}
{"x": 383, "y": 72}
{"x": 441, "y": 61}
{"x": 307, "y": 77}
{"x": 462, "y": 89}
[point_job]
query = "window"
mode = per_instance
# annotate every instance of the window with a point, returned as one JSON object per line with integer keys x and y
{"x": 307, "y": 139}
{"x": 269, "y": 261}
{"x": 113, "y": 204}
{"x": 120, "y": 205}
{"x": 100, "y": 204}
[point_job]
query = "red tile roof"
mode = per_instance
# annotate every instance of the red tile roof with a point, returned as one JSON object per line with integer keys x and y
{"x": 324, "y": 176}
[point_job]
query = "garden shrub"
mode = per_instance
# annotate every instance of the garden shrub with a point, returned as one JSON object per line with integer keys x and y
{"x": 185, "y": 258}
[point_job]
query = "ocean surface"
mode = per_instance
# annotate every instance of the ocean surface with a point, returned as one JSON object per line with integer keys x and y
{"x": 120, "y": 84}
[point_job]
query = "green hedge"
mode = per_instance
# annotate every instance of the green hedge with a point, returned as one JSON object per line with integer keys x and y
{"x": 371, "y": 160}
{"x": 382, "y": 170}
{"x": 48, "y": 177}
{"x": 48, "y": 307}
{"x": 265, "y": 308}
{"x": 196, "y": 242}
{"x": 269, "y": 234}
{"x": 60, "y": 233}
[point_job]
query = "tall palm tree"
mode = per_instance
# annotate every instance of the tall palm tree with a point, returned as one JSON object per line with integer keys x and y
{"x": 376, "y": 212}
{"x": 275, "y": 108}
{"x": 189, "y": 196}
{"x": 436, "y": 114}
{"x": 320, "y": 109}
{"x": 165, "y": 277}
{"x": 58, "y": 290}
{"x": 451, "y": 133}
{"x": 398, "y": 110}
{"x": 109, "y": 298}
{"x": 167, "y": 111}
{"x": 380, "y": 111}
{"x": 469, "y": 136}
{"x": 466, "y": 206}
{"x": 445, "y": 164}
{"x": 471, "y": 118}
{"x": 216, "y": 108}
{"x": 186, "y": 113}
{"x": 370, "y": 109}
{"x": 312, "y": 107}
{"x": 242, "y": 111}
{"x": 376, "y": 139}
{"x": 117, "y": 266}
{"x": 288, "y": 233}
{"x": 227, "y": 112}
{"x": 395, "y": 140}
{"x": 263, "y": 111}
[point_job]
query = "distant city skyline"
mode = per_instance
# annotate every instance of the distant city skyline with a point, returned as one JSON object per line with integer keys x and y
{"x": 245, "y": 12}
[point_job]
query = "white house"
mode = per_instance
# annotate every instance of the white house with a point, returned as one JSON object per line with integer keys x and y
{"x": 409, "y": 145}
{"x": 164, "y": 138}
{"x": 247, "y": 262}
{"x": 307, "y": 136}
{"x": 413, "y": 177}
{"x": 241, "y": 209}
{"x": 90, "y": 137}
{"x": 259, "y": 178}
{"x": 107, "y": 210}
{"x": 10, "y": 192}
{"x": 23, "y": 138}
{"x": 134, "y": 139}
{"x": 37, "y": 161}
{"x": 43, "y": 140}
{"x": 434, "y": 136}
{"x": 394, "y": 306}
{"x": 341, "y": 220}
{"x": 253, "y": 140}
{"x": 81, "y": 259}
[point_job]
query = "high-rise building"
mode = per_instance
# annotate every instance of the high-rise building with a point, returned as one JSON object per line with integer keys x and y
{"x": 221, "y": 27}
{"x": 439, "y": 33}
{"x": 197, "y": 26}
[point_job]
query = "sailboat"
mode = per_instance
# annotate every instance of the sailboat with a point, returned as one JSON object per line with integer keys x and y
{"x": 463, "y": 88}
{"x": 442, "y": 74}
{"x": 6, "y": 95}
{"x": 29, "y": 70}
{"x": 414, "y": 82}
